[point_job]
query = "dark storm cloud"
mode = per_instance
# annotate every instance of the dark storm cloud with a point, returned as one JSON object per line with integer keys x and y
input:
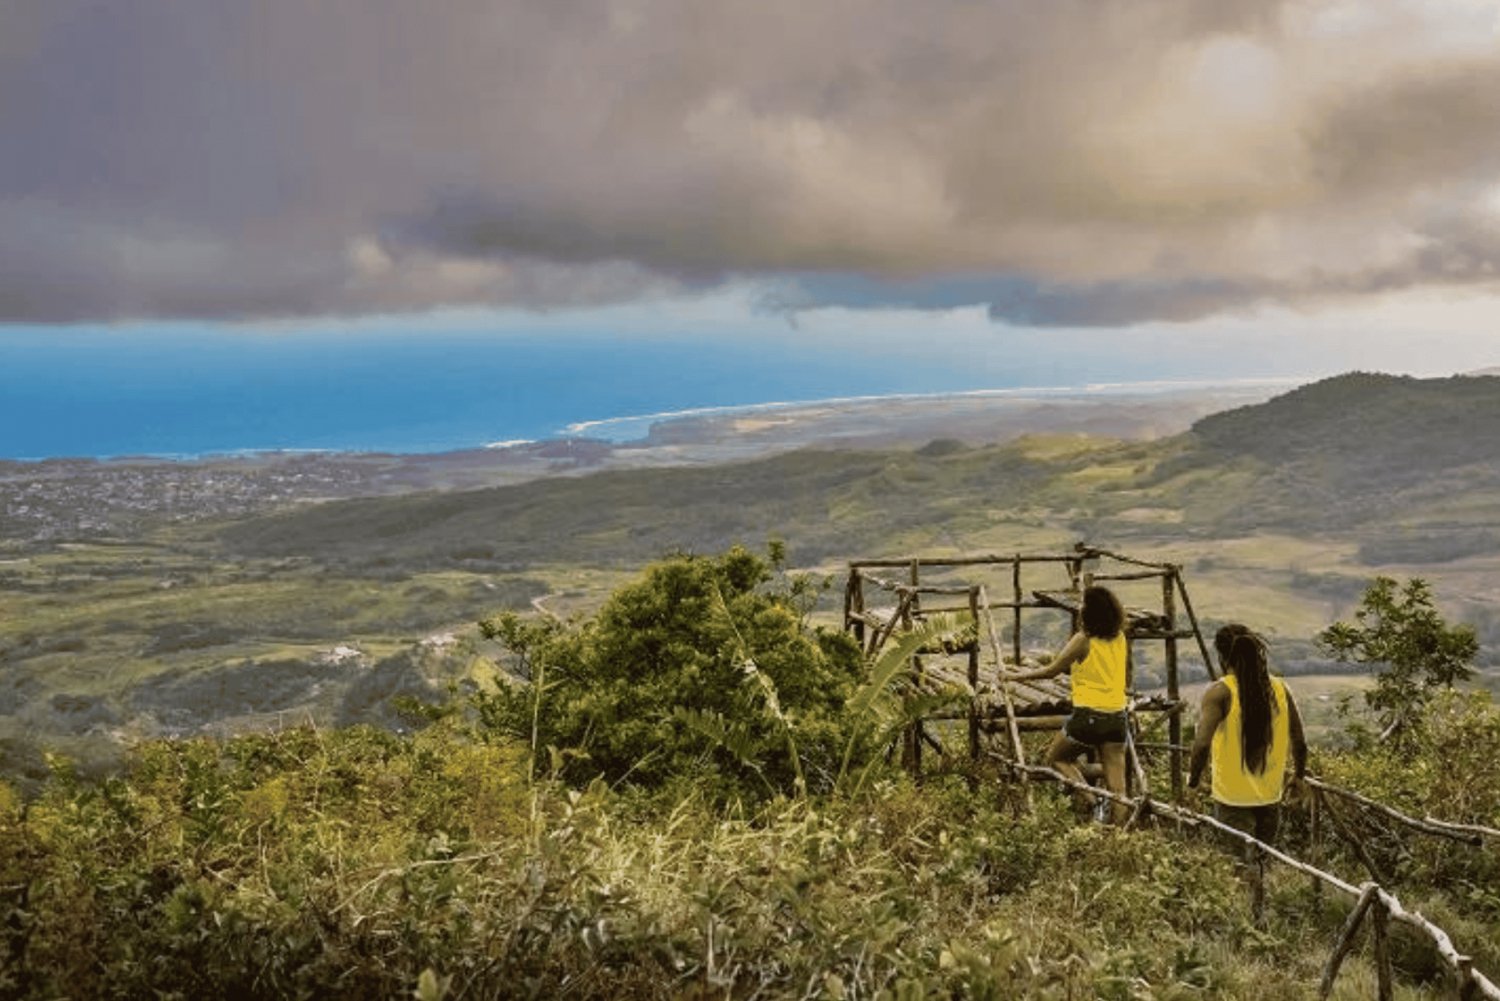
{"x": 1074, "y": 162}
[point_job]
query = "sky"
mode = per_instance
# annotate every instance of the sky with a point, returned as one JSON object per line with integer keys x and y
{"x": 1251, "y": 180}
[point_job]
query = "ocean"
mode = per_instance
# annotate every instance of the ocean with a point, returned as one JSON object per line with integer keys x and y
{"x": 187, "y": 392}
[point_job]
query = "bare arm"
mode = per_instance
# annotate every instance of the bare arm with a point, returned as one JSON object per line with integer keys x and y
{"x": 1210, "y": 714}
{"x": 1076, "y": 649}
{"x": 1299, "y": 741}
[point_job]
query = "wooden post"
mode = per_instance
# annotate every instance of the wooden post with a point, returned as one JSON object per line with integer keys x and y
{"x": 1136, "y": 769}
{"x": 1187, "y": 606}
{"x": 1015, "y": 586}
{"x": 1174, "y": 692}
{"x": 1346, "y": 938}
{"x": 1075, "y": 583}
{"x": 974, "y": 680}
{"x": 916, "y": 599}
{"x": 849, "y": 599}
{"x": 1010, "y": 707}
{"x": 916, "y": 724}
{"x": 857, "y": 603}
{"x": 1380, "y": 923}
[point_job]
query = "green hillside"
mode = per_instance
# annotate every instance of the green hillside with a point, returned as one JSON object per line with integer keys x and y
{"x": 1334, "y": 455}
{"x": 1362, "y": 451}
{"x": 828, "y": 503}
{"x": 1366, "y": 428}
{"x": 691, "y": 799}
{"x": 111, "y": 638}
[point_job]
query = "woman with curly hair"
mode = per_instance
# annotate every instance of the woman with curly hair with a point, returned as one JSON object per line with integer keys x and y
{"x": 1097, "y": 656}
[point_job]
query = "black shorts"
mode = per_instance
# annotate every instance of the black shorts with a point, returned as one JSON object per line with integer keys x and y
{"x": 1092, "y": 727}
{"x": 1260, "y": 822}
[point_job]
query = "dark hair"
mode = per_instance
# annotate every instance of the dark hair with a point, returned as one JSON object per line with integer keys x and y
{"x": 1224, "y": 639}
{"x": 1103, "y": 615}
{"x": 1247, "y": 659}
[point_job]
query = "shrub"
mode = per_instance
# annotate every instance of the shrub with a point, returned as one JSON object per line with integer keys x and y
{"x": 1398, "y": 633}
{"x": 701, "y": 665}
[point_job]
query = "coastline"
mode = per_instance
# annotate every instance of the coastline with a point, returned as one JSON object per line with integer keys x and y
{"x": 679, "y": 427}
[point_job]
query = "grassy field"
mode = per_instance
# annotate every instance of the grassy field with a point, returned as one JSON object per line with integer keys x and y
{"x": 90, "y": 624}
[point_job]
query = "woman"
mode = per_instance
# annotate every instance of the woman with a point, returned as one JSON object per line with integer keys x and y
{"x": 1249, "y": 725}
{"x": 1097, "y": 655}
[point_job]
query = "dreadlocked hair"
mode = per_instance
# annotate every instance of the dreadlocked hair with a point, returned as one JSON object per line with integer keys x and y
{"x": 1247, "y": 659}
{"x": 1224, "y": 639}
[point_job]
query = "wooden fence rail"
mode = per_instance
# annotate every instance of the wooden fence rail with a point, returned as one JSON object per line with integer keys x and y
{"x": 1370, "y": 898}
{"x": 1469, "y": 834}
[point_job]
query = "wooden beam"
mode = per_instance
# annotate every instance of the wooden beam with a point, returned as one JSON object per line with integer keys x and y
{"x": 1139, "y": 575}
{"x": 1187, "y": 606}
{"x": 1092, "y": 552}
{"x": 1368, "y": 894}
{"x": 982, "y": 604}
{"x": 960, "y": 561}
{"x": 1174, "y": 692}
{"x": 1435, "y": 828}
{"x": 1017, "y": 598}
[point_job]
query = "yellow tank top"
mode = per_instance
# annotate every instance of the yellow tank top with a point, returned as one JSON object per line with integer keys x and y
{"x": 1099, "y": 679}
{"x": 1234, "y": 784}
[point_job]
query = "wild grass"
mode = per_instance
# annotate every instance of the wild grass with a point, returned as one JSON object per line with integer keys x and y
{"x": 313, "y": 863}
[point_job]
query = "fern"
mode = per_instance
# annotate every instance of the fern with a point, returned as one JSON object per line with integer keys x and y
{"x": 872, "y": 707}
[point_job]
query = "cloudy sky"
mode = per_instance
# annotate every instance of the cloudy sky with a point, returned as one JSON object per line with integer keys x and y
{"x": 1205, "y": 164}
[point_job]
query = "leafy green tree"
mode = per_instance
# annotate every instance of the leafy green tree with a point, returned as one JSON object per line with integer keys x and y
{"x": 1399, "y": 634}
{"x": 701, "y": 664}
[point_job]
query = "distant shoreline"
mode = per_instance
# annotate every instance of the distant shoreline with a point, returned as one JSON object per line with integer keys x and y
{"x": 1088, "y": 390}
{"x": 635, "y": 429}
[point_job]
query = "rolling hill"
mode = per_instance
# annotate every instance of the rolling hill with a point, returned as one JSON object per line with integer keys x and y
{"x": 1368, "y": 455}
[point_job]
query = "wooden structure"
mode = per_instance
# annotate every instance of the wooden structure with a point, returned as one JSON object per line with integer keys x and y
{"x": 885, "y": 597}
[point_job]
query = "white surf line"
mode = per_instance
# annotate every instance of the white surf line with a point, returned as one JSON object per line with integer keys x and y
{"x": 579, "y": 427}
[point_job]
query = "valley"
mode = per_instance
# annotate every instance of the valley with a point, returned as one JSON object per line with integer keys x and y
{"x": 216, "y": 597}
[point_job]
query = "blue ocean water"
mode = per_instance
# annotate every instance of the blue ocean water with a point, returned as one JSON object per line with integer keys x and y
{"x": 456, "y": 381}
{"x": 187, "y": 392}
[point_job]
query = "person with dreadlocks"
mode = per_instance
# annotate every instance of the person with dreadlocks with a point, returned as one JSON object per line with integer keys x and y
{"x": 1250, "y": 726}
{"x": 1096, "y": 657}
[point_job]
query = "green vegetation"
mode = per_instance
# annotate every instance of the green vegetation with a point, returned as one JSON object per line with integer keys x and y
{"x": 1399, "y": 633}
{"x": 1276, "y": 523}
{"x": 646, "y": 854}
{"x": 678, "y": 786}
{"x": 695, "y": 656}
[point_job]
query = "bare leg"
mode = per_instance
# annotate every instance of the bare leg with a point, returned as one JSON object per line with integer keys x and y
{"x": 1062, "y": 756}
{"x": 1112, "y": 757}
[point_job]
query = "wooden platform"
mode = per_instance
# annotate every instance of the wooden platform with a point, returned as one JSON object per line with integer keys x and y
{"x": 1048, "y": 698}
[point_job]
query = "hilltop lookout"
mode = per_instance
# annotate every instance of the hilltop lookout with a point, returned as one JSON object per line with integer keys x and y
{"x": 1006, "y": 601}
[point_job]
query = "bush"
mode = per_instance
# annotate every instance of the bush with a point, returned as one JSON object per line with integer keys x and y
{"x": 701, "y": 665}
{"x": 1398, "y": 633}
{"x": 1444, "y": 769}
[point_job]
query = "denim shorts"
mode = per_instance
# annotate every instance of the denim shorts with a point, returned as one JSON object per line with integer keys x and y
{"x": 1092, "y": 727}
